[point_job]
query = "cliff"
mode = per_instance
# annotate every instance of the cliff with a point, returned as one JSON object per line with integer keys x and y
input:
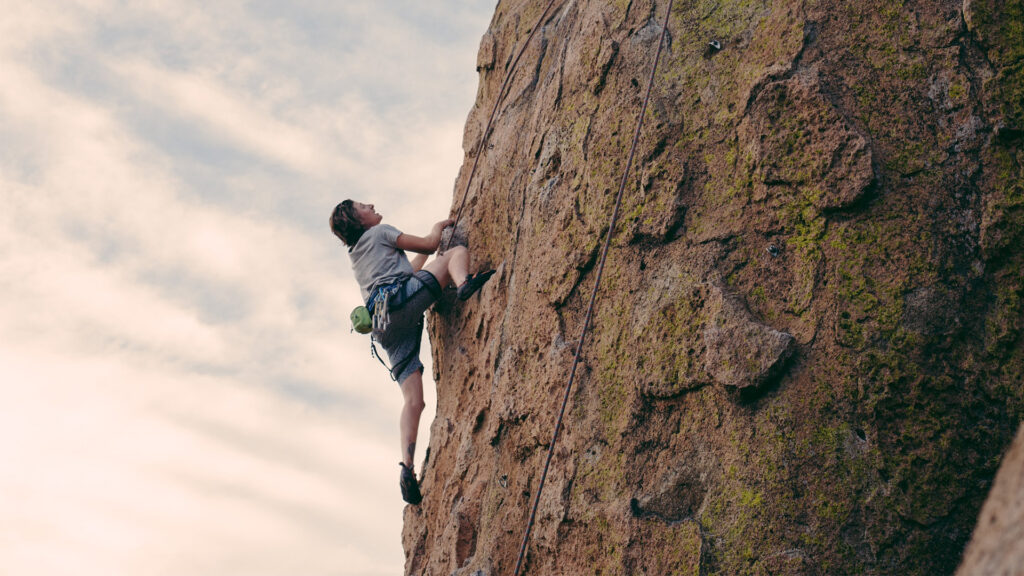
{"x": 806, "y": 354}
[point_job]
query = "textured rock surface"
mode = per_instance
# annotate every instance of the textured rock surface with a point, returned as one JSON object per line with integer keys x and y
{"x": 806, "y": 356}
{"x": 997, "y": 547}
{"x": 741, "y": 354}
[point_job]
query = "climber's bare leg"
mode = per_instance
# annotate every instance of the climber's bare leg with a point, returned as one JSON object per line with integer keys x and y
{"x": 450, "y": 267}
{"x": 412, "y": 391}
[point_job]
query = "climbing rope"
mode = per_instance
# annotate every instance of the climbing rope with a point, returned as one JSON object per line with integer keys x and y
{"x": 490, "y": 120}
{"x": 593, "y": 295}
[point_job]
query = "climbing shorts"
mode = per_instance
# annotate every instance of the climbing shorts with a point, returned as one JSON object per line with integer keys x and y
{"x": 401, "y": 338}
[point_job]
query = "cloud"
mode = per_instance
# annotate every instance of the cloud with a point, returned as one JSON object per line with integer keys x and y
{"x": 225, "y": 114}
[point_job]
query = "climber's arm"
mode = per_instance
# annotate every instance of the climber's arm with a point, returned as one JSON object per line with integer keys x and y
{"x": 425, "y": 245}
{"x": 410, "y": 243}
{"x": 418, "y": 261}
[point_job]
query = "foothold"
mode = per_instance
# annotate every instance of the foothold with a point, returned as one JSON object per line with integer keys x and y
{"x": 773, "y": 250}
{"x": 715, "y": 45}
{"x": 503, "y": 481}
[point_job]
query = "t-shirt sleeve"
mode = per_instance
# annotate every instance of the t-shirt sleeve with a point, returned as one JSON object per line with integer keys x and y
{"x": 388, "y": 234}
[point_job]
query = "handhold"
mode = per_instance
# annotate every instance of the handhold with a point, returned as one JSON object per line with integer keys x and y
{"x": 742, "y": 355}
{"x": 773, "y": 250}
{"x": 715, "y": 45}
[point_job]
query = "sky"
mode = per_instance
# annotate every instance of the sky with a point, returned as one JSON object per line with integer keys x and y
{"x": 180, "y": 393}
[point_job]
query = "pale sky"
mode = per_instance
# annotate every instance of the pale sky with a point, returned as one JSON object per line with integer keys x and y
{"x": 180, "y": 394}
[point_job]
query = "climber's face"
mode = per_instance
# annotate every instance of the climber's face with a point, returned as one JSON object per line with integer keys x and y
{"x": 368, "y": 217}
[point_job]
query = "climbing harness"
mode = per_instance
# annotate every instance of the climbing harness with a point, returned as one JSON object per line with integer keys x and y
{"x": 374, "y": 319}
{"x": 490, "y": 120}
{"x": 593, "y": 295}
{"x": 393, "y": 371}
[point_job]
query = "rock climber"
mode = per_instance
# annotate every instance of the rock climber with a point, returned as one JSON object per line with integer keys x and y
{"x": 404, "y": 289}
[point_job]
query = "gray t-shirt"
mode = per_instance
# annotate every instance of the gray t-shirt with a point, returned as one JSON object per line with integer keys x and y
{"x": 376, "y": 259}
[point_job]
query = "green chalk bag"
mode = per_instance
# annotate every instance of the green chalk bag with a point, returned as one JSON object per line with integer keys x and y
{"x": 361, "y": 321}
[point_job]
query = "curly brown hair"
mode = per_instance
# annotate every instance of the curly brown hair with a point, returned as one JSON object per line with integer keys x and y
{"x": 345, "y": 223}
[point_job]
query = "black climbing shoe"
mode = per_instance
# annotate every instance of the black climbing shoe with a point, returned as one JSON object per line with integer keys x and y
{"x": 410, "y": 487}
{"x": 473, "y": 283}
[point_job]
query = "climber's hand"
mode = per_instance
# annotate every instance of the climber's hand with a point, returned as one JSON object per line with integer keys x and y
{"x": 438, "y": 229}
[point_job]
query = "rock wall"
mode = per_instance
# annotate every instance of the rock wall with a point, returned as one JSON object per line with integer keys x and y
{"x": 806, "y": 356}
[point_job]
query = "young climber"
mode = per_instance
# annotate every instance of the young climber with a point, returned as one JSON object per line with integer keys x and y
{"x": 404, "y": 290}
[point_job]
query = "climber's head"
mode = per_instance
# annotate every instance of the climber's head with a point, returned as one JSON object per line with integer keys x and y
{"x": 350, "y": 219}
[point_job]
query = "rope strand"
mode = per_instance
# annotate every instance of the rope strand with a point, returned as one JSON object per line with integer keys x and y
{"x": 490, "y": 120}
{"x": 593, "y": 296}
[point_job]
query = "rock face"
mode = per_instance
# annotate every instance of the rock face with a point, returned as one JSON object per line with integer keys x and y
{"x": 806, "y": 356}
{"x": 997, "y": 546}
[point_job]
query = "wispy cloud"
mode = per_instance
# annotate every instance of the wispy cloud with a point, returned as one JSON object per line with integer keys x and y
{"x": 181, "y": 392}
{"x": 239, "y": 119}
